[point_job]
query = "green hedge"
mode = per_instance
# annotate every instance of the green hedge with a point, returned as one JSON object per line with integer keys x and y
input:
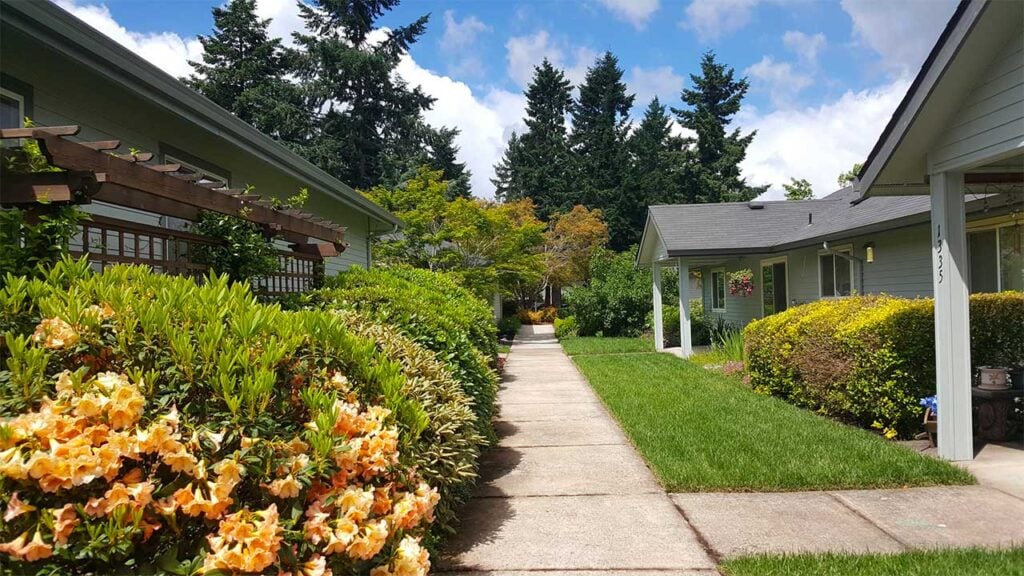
{"x": 616, "y": 299}
{"x": 435, "y": 313}
{"x": 870, "y": 359}
{"x": 208, "y": 406}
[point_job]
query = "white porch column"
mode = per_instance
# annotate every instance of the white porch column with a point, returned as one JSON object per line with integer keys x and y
{"x": 685, "y": 336}
{"x": 952, "y": 321}
{"x": 659, "y": 332}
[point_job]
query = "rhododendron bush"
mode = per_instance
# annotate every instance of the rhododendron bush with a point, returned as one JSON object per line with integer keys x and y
{"x": 152, "y": 425}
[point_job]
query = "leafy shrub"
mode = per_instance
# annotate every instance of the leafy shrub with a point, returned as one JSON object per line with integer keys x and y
{"x": 566, "y": 327}
{"x": 700, "y": 325}
{"x": 616, "y": 299}
{"x": 435, "y": 313}
{"x": 509, "y": 326}
{"x": 28, "y": 244}
{"x": 870, "y": 359}
{"x": 153, "y": 424}
{"x": 545, "y": 315}
{"x": 244, "y": 252}
{"x": 449, "y": 446}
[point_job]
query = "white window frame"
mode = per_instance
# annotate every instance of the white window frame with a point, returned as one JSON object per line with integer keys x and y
{"x": 848, "y": 248}
{"x": 171, "y": 159}
{"x": 769, "y": 262}
{"x": 994, "y": 225}
{"x": 21, "y": 114}
{"x": 714, "y": 290}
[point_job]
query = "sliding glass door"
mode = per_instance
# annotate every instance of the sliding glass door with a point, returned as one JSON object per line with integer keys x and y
{"x": 773, "y": 287}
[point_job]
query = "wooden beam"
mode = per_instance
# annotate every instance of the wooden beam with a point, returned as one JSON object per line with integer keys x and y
{"x": 994, "y": 178}
{"x": 38, "y": 188}
{"x": 74, "y": 156}
{"x": 163, "y": 167}
{"x": 188, "y": 176}
{"x": 6, "y": 133}
{"x": 137, "y": 157}
{"x": 321, "y": 250}
{"x": 102, "y": 144}
{"x": 124, "y": 196}
{"x": 211, "y": 185}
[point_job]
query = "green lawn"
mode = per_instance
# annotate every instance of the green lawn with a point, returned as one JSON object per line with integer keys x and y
{"x": 929, "y": 563}
{"x": 703, "y": 431}
{"x": 503, "y": 348}
{"x": 594, "y": 345}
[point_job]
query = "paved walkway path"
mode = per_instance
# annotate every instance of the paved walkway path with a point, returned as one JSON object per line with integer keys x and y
{"x": 566, "y": 492}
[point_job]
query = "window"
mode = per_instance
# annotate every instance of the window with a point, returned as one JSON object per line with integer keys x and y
{"x": 12, "y": 109}
{"x": 718, "y": 290}
{"x": 835, "y": 274}
{"x": 996, "y": 258}
{"x": 205, "y": 176}
{"x": 774, "y": 289}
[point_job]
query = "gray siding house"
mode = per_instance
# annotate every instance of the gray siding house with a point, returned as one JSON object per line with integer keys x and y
{"x": 57, "y": 70}
{"x": 839, "y": 245}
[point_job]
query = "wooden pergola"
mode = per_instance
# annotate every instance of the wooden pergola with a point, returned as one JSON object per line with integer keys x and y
{"x": 92, "y": 171}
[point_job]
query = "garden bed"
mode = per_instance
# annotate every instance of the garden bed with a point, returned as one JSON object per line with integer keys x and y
{"x": 705, "y": 431}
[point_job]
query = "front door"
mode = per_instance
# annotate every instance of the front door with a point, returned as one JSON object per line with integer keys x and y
{"x": 773, "y": 287}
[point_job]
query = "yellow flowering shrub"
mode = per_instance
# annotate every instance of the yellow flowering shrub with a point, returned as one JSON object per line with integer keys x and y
{"x": 869, "y": 360}
{"x": 150, "y": 424}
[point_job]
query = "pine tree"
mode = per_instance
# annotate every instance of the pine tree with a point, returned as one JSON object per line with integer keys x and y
{"x": 366, "y": 115}
{"x": 654, "y": 155}
{"x": 600, "y": 121}
{"x": 443, "y": 155}
{"x": 537, "y": 165}
{"x": 713, "y": 102}
{"x": 508, "y": 172}
{"x": 243, "y": 70}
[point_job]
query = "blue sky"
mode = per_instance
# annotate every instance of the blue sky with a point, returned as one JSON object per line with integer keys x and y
{"x": 825, "y": 76}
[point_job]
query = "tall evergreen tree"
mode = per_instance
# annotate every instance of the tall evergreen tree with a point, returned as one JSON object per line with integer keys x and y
{"x": 712, "y": 102}
{"x": 539, "y": 165}
{"x": 508, "y": 172}
{"x": 363, "y": 110}
{"x": 600, "y": 126}
{"x": 655, "y": 156}
{"x": 443, "y": 155}
{"x": 243, "y": 70}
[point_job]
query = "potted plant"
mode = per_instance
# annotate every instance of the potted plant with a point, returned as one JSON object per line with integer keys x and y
{"x": 741, "y": 282}
{"x": 931, "y": 420}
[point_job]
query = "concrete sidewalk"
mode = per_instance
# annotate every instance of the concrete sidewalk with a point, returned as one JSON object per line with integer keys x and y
{"x": 564, "y": 491}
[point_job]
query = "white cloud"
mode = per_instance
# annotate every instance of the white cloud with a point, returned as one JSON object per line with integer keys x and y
{"x": 526, "y": 52}
{"x": 712, "y": 19}
{"x": 647, "y": 83}
{"x": 461, "y": 35}
{"x": 805, "y": 46}
{"x": 458, "y": 44}
{"x": 167, "y": 50}
{"x": 779, "y": 79}
{"x": 636, "y": 12}
{"x": 284, "y": 18}
{"x": 816, "y": 143}
{"x": 901, "y": 32}
{"x": 485, "y": 123}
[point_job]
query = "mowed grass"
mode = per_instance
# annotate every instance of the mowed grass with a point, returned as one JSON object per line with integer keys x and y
{"x": 596, "y": 345}
{"x": 969, "y": 562}
{"x": 703, "y": 431}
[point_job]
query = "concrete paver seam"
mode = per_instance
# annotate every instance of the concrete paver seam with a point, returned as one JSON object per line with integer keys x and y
{"x": 842, "y": 502}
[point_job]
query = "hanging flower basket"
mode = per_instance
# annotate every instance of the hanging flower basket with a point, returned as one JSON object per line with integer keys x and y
{"x": 741, "y": 282}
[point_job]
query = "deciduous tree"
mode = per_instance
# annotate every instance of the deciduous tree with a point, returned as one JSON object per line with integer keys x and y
{"x": 798, "y": 189}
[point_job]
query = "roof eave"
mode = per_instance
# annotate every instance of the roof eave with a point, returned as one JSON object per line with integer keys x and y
{"x": 942, "y": 53}
{"x": 86, "y": 45}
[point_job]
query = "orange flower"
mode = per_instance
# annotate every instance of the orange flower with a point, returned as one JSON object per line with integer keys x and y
{"x": 315, "y": 566}
{"x": 36, "y": 549}
{"x": 15, "y": 547}
{"x": 245, "y": 541}
{"x": 370, "y": 540}
{"x": 55, "y": 333}
{"x": 410, "y": 560}
{"x": 16, "y": 507}
{"x": 64, "y": 521}
{"x": 287, "y": 487}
